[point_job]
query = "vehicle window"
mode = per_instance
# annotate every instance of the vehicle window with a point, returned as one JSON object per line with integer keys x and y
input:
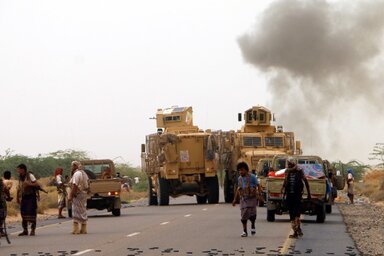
{"x": 252, "y": 141}
{"x": 96, "y": 168}
{"x": 262, "y": 117}
{"x": 274, "y": 142}
{"x": 280, "y": 164}
{"x": 171, "y": 118}
{"x": 249, "y": 116}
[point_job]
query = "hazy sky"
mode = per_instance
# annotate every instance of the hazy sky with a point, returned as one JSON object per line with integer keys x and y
{"x": 88, "y": 75}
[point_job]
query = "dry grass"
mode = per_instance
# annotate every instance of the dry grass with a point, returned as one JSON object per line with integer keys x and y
{"x": 373, "y": 185}
{"x": 49, "y": 201}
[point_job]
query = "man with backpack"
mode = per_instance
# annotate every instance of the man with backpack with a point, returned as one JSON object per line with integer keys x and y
{"x": 293, "y": 190}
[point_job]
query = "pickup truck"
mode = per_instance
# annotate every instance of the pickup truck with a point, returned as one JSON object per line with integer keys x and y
{"x": 319, "y": 186}
{"x": 104, "y": 190}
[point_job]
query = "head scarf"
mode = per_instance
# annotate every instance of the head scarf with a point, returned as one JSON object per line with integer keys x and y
{"x": 58, "y": 171}
{"x": 77, "y": 163}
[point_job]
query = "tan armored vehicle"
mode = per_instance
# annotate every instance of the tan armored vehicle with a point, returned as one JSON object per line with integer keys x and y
{"x": 179, "y": 159}
{"x": 256, "y": 144}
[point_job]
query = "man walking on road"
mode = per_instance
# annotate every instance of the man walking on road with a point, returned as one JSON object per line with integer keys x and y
{"x": 293, "y": 190}
{"x": 78, "y": 196}
{"x": 248, "y": 188}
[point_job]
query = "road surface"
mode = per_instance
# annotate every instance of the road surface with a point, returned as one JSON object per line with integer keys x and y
{"x": 182, "y": 228}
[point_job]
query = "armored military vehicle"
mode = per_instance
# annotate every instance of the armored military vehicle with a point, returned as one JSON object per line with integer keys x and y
{"x": 180, "y": 159}
{"x": 256, "y": 143}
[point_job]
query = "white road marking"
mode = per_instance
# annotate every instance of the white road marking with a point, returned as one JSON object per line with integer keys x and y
{"x": 133, "y": 234}
{"x": 164, "y": 223}
{"x": 83, "y": 252}
{"x": 205, "y": 209}
{"x": 188, "y": 215}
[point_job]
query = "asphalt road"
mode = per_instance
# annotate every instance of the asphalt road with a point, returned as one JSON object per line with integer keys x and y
{"x": 183, "y": 228}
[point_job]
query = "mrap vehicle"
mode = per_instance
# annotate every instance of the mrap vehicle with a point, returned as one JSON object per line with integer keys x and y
{"x": 256, "y": 143}
{"x": 180, "y": 159}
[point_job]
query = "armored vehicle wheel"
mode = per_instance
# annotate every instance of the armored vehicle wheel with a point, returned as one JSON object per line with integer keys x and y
{"x": 201, "y": 199}
{"x": 328, "y": 208}
{"x": 270, "y": 215}
{"x": 213, "y": 189}
{"x": 320, "y": 213}
{"x": 228, "y": 188}
{"x": 163, "y": 192}
{"x": 116, "y": 212}
{"x": 152, "y": 197}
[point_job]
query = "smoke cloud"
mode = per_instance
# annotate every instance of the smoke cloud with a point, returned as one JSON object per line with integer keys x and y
{"x": 324, "y": 66}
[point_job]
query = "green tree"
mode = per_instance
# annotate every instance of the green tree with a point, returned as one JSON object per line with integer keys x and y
{"x": 41, "y": 166}
{"x": 357, "y": 167}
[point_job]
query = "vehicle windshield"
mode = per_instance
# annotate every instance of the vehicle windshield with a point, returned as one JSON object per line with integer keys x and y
{"x": 97, "y": 168}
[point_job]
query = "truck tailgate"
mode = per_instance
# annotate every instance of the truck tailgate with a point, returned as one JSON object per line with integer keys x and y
{"x": 274, "y": 185}
{"x": 105, "y": 186}
{"x": 318, "y": 188}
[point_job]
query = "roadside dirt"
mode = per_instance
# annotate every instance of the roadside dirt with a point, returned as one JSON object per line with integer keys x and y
{"x": 365, "y": 223}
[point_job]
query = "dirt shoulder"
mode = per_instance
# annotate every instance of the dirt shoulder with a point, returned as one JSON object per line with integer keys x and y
{"x": 365, "y": 223}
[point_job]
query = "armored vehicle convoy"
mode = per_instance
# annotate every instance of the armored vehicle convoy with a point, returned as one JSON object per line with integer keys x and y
{"x": 180, "y": 159}
{"x": 256, "y": 144}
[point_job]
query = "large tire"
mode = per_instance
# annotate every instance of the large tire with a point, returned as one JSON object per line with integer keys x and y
{"x": 152, "y": 197}
{"x": 201, "y": 199}
{"x": 163, "y": 192}
{"x": 320, "y": 213}
{"x": 228, "y": 188}
{"x": 270, "y": 215}
{"x": 328, "y": 208}
{"x": 213, "y": 189}
{"x": 116, "y": 212}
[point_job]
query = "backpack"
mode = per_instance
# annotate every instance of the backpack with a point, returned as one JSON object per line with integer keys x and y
{"x": 298, "y": 185}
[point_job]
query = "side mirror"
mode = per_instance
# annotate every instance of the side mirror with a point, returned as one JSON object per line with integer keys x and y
{"x": 239, "y": 117}
{"x": 142, "y": 148}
